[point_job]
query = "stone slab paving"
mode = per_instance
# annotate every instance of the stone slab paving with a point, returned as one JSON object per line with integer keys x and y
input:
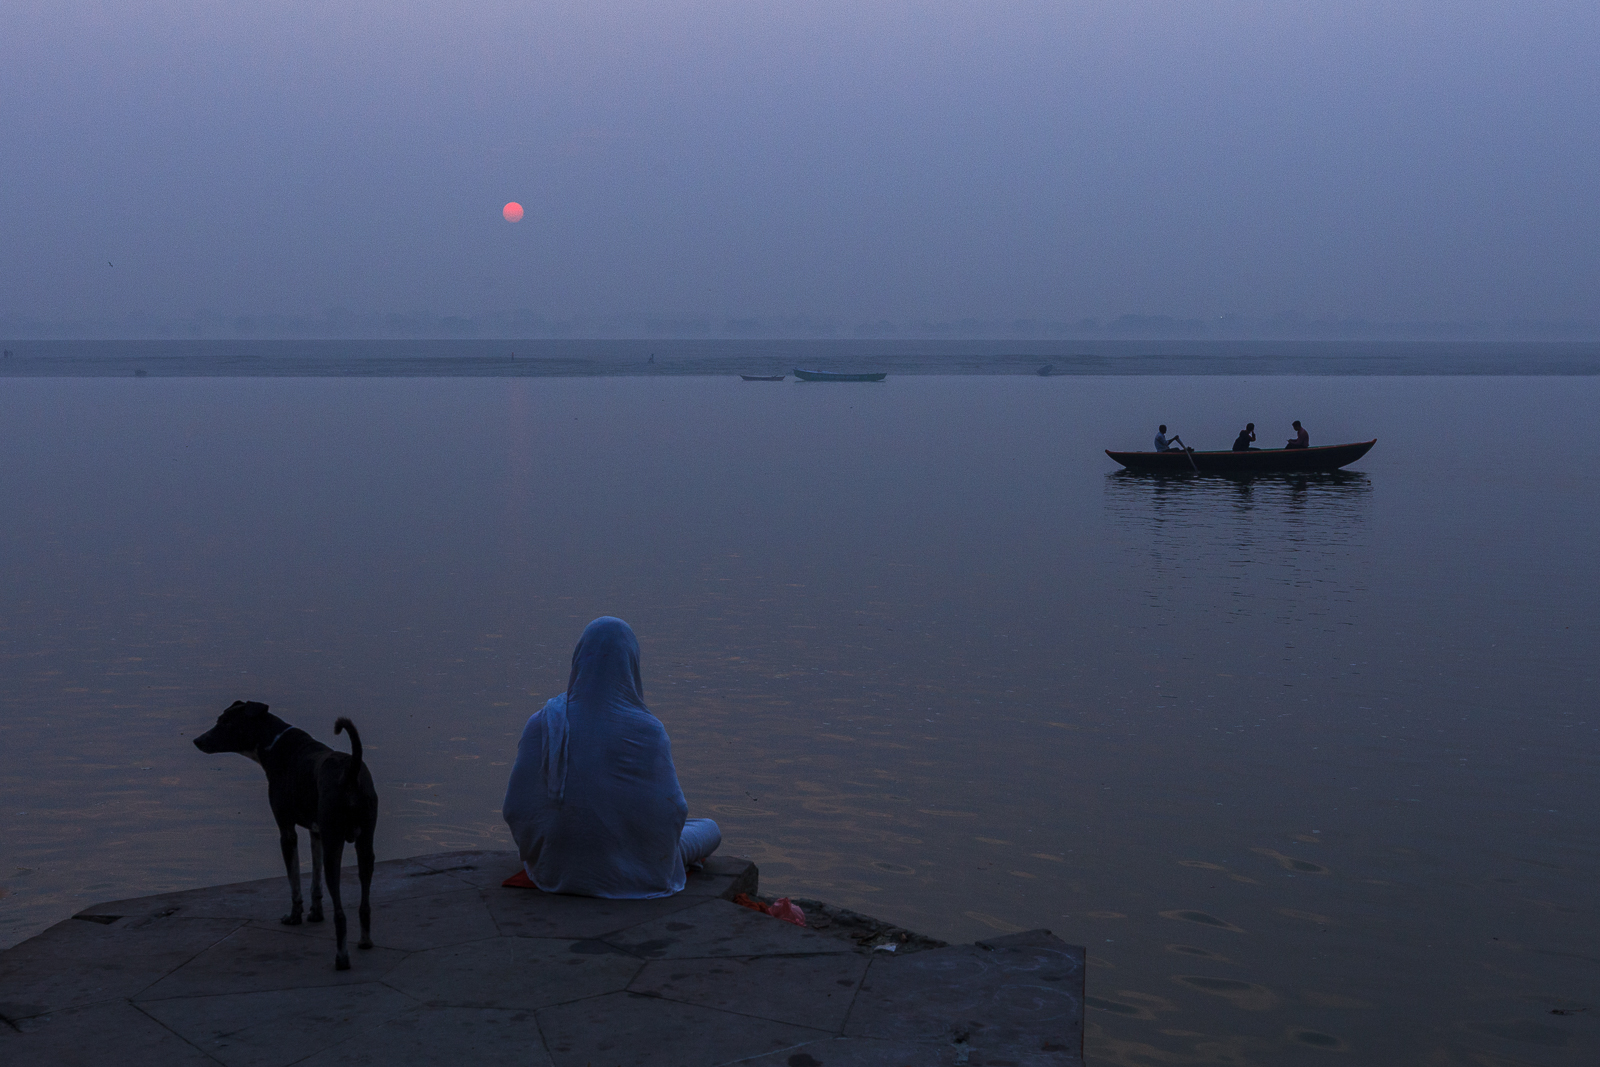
{"x": 464, "y": 971}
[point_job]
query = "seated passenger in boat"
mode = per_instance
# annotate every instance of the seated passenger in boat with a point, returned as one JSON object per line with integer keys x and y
{"x": 594, "y": 802}
{"x": 1246, "y": 438}
{"x": 1301, "y": 438}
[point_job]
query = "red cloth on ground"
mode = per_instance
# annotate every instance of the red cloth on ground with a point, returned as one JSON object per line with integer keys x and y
{"x": 782, "y": 908}
{"x": 787, "y": 910}
{"x": 520, "y": 880}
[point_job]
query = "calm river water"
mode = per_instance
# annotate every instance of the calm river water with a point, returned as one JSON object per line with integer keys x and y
{"x": 1309, "y": 764}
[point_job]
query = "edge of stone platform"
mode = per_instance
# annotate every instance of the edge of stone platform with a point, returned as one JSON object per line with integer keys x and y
{"x": 722, "y": 876}
{"x": 725, "y": 877}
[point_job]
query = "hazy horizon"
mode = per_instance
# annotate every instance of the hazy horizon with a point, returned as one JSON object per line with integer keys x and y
{"x": 340, "y": 325}
{"x": 941, "y": 169}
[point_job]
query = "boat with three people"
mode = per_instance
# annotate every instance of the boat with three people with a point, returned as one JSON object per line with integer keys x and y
{"x": 1251, "y": 461}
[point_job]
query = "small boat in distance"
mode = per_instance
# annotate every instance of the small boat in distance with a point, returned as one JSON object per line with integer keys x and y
{"x": 763, "y": 377}
{"x": 829, "y": 376}
{"x": 1255, "y": 461}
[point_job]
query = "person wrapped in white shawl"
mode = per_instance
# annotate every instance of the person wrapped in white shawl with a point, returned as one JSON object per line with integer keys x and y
{"x": 593, "y": 801}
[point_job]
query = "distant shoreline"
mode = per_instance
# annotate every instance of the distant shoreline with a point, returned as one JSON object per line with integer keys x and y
{"x": 678, "y": 358}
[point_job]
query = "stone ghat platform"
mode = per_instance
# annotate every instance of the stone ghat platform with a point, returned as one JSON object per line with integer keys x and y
{"x": 465, "y": 971}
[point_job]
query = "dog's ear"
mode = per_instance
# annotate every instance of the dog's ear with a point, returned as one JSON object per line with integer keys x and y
{"x": 248, "y": 708}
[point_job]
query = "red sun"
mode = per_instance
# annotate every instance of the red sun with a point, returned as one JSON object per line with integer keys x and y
{"x": 512, "y": 212}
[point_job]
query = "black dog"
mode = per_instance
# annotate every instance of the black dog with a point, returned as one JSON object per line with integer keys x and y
{"x": 310, "y": 785}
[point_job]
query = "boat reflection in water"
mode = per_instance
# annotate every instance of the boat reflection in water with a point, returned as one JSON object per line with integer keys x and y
{"x": 1272, "y": 485}
{"x": 1330, "y": 500}
{"x": 1290, "y": 544}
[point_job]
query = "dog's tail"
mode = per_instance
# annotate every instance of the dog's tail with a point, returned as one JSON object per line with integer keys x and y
{"x": 354, "y": 770}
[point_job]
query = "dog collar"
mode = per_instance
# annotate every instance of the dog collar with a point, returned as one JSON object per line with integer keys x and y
{"x": 275, "y": 740}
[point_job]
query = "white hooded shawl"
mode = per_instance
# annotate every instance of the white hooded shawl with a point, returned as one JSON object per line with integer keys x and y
{"x": 594, "y": 801}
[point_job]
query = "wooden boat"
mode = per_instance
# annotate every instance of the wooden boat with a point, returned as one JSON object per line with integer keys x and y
{"x": 1255, "y": 461}
{"x": 829, "y": 376}
{"x": 763, "y": 377}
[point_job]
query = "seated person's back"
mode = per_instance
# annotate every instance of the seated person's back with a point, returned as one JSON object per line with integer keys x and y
{"x": 594, "y": 802}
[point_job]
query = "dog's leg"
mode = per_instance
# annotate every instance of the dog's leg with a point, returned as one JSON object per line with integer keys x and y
{"x": 332, "y": 861}
{"x": 289, "y": 841}
{"x": 364, "y": 859}
{"x": 316, "y": 875}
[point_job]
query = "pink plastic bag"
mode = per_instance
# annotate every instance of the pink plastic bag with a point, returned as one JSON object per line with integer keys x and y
{"x": 787, "y": 910}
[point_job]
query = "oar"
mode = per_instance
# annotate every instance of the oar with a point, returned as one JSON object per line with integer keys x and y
{"x": 1188, "y": 452}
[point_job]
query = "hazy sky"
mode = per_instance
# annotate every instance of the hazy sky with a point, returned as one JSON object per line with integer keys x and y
{"x": 1394, "y": 160}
